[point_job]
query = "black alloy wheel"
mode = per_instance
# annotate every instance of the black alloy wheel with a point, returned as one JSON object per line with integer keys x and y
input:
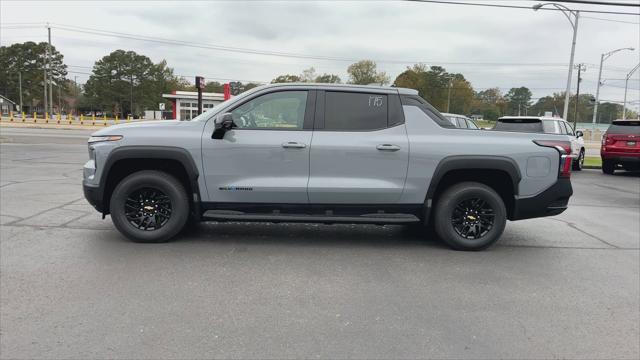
{"x": 473, "y": 218}
{"x": 148, "y": 209}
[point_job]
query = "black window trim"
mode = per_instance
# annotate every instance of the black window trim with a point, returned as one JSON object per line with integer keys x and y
{"x": 309, "y": 111}
{"x": 319, "y": 123}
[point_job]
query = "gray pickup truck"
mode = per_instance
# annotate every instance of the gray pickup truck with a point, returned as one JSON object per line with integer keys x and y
{"x": 328, "y": 154}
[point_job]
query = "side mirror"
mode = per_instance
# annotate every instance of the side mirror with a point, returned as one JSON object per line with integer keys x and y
{"x": 579, "y": 134}
{"x": 223, "y": 123}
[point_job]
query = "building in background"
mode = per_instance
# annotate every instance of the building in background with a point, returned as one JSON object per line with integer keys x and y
{"x": 185, "y": 103}
{"x": 6, "y": 106}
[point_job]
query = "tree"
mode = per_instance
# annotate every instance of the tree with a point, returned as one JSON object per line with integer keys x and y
{"x": 328, "y": 78}
{"x": 490, "y": 103}
{"x": 286, "y": 79}
{"x": 29, "y": 59}
{"x": 128, "y": 83}
{"x": 518, "y": 99}
{"x": 365, "y": 72}
{"x": 435, "y": 84}
{"x": 308, "y": 75}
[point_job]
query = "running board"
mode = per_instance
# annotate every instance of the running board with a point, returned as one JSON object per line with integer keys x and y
{"x": 376, "y": 218}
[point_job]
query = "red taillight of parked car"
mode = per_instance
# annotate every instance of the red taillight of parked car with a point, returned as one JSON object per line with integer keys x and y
{"x": 564, "y": 149}
{"x": 607, "y": 139}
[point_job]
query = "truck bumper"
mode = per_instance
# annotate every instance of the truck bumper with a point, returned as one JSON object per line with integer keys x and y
{"x": 552, "y": 201}
{"x": 93, "y": 194}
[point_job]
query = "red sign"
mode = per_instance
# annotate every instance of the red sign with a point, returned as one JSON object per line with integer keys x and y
{"x": 227, "y": 91}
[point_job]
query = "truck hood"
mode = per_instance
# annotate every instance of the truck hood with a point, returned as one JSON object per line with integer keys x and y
{"x": 162, "y": 125}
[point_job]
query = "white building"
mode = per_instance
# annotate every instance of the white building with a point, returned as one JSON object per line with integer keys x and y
{"x": 185, "y": 103}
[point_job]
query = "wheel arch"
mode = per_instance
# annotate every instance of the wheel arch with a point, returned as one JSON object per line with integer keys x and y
{"x": 125, "y": 160}
{"x": 498, "y": 172}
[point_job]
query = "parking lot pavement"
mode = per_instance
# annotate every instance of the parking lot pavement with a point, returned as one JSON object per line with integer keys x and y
{"x": 72, "y": 287}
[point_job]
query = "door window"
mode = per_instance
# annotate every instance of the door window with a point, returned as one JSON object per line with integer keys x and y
{"x": 281, "y": 110}
{"x": 569, "y": 129}
{"x": 355, "y": 111}
{"x": 472, "y": 125}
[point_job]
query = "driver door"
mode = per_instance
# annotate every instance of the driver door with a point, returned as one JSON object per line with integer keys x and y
{"x": 265, "y": 157}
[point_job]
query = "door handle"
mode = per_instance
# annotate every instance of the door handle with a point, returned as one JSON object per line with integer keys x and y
{"x": 388, "y": 147}
{"x": 293, "y": 145}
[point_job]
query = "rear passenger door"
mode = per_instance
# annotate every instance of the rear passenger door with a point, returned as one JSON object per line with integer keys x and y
{"x": 359, "y": 150}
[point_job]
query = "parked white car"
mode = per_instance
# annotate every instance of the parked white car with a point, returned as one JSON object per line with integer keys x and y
{"x": 547, "y": 125}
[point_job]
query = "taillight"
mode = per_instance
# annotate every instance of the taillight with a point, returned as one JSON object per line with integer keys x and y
{"x": 564, "y": 149}
{"x": 558, "y": 145}
{"x": 607, "y": 139}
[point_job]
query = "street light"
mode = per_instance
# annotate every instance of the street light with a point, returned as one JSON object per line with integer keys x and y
{"x": 626, "y": 84}
{"x": 603, "y": 57}
{"x": 574, "y": 24}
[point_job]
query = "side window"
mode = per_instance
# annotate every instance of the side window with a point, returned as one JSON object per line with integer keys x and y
{"x": 355, "y": 111}
{"x": 549, "y": 126}
{"x": 569, "y": 128}
{"x": 563, "y": 130}
{"x": 461, "y": 123}
{"x": 280, "y": 110}
{"x": 472, "y": 125}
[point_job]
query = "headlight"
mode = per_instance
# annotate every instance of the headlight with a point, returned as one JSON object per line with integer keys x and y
{"x": 95, "y": 139}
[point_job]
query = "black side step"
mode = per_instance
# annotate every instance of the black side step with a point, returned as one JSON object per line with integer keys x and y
{"x": 376, "y": 218}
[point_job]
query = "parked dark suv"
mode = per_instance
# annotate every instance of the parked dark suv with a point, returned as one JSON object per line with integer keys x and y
{"x": 621, "y": 146}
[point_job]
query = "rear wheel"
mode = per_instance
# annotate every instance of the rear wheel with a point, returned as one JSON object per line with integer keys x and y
{"x": 608, "y": 167}
{"x": 470, "y": 216}
{"x": 149, "y": 206}
{"x": 579, "y": 163}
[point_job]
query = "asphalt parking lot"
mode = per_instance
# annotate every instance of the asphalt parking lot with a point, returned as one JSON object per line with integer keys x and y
{"x": 72, "y": 287}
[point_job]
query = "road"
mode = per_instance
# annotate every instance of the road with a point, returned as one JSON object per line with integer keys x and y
{"x": 72, "y": 287}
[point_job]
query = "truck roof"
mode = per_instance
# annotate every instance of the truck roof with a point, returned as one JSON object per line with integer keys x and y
{"x": 330, "y": 86}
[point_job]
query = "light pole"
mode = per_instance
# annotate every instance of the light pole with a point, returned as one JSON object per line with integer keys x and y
{"x": 603, "y": 57}
{"x": 568, "y": 13}
{"x": 626, "y": 84}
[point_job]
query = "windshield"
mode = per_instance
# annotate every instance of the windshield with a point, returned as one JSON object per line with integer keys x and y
{"x": 224, "y": 105}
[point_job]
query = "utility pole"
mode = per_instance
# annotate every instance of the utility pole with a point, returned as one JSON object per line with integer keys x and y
{"x": 75, "y": 92}
{"x": 449, "y": 97}
{"x": 626, "y": 84}
{"x": 581, "y": 68}
{"x": 50, "y": 73}
{"x": 44, "y": 82}
{"x": 603, "y": 57}
{"x": 20, "y": 89}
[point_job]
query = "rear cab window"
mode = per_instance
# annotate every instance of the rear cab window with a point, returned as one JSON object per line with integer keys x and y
{"x": 519, "y": 124}
{"x": 626, "y": 127}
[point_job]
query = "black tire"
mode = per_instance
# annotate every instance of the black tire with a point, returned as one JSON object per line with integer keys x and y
{"x": 473, "y": 203}
{"x": 579, "y": 163}
{"x": 160, "y": 215}
{"x": 608, "y": 167}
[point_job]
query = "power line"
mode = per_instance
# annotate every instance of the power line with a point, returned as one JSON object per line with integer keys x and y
{"x": 611, "y": 20}
{"x": 592, "y": 2}
{"x": 517, "y": 7}
{"x": 217, "y": 47}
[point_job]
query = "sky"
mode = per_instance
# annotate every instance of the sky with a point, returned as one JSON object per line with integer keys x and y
{"x": 491, "y": 47}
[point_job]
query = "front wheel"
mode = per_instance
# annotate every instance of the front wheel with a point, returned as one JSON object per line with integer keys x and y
{"x": 470, "y": 216}
{"x": 579, "y": 163}
{"x": 149, "y": 206}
